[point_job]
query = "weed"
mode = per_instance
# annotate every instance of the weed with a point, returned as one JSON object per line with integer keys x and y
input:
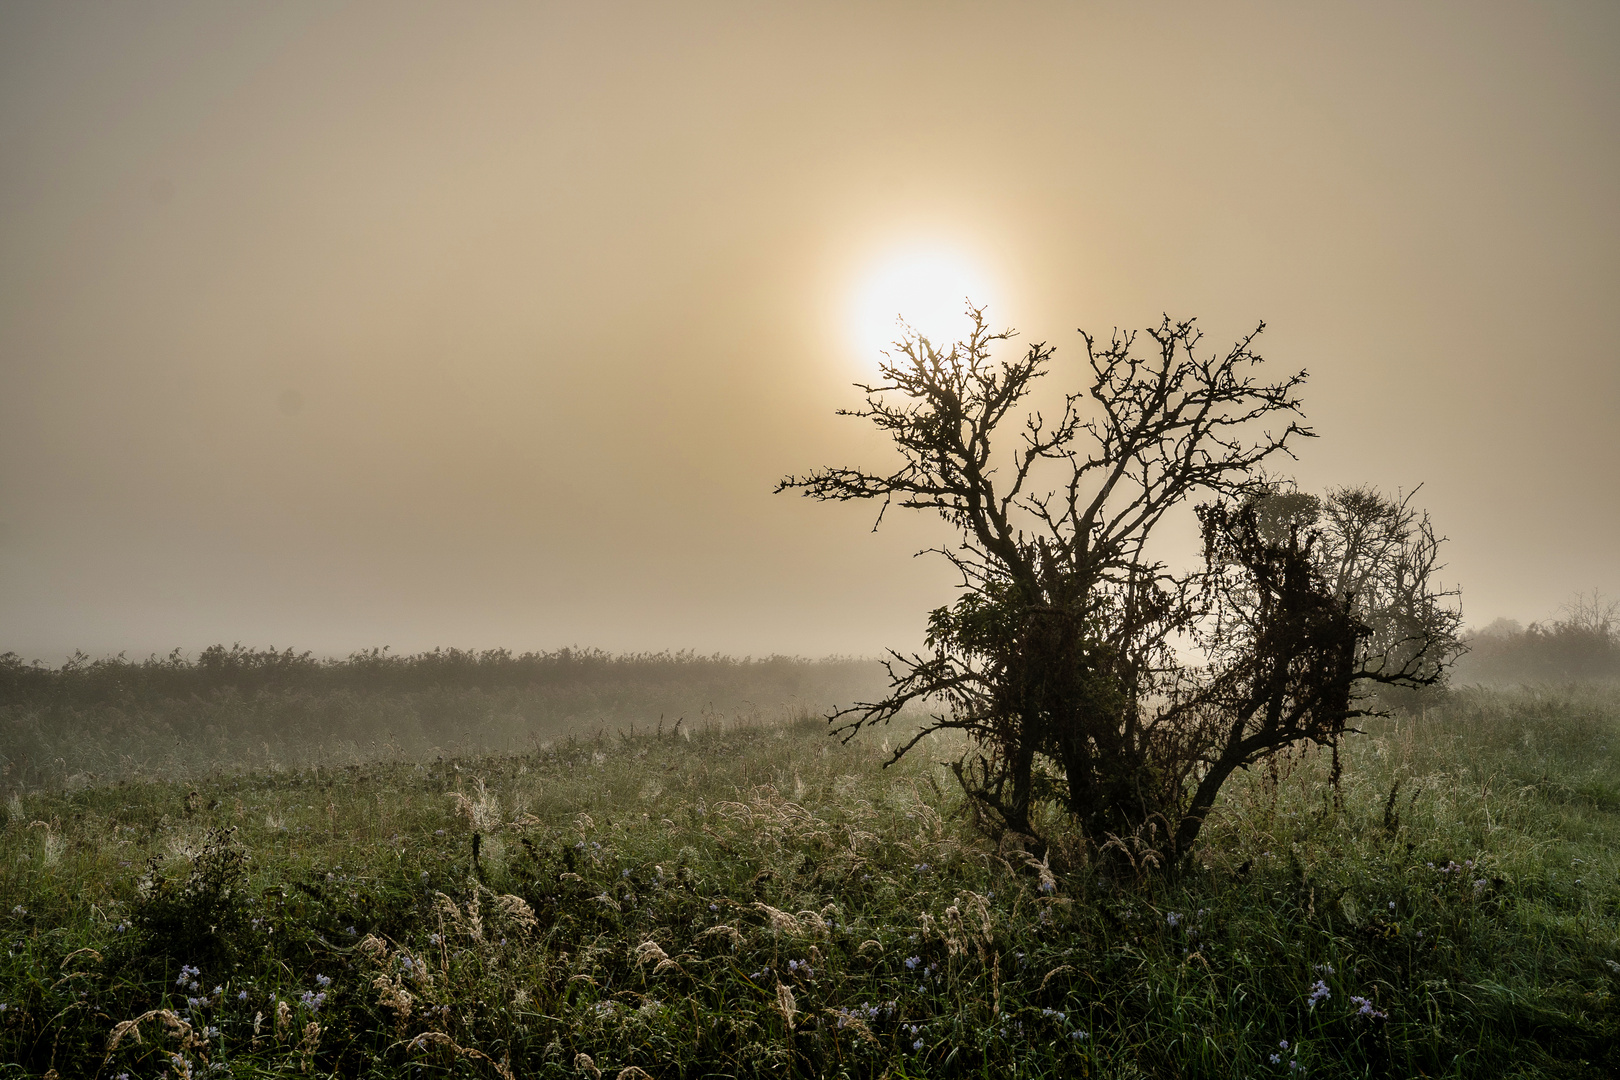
{"x": 202, "y": 917}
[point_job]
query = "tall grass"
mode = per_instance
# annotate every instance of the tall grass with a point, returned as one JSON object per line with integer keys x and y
{"x": 749, "y": 899}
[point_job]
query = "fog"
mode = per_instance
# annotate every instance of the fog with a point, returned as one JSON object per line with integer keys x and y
{"x": 486, "y": 325}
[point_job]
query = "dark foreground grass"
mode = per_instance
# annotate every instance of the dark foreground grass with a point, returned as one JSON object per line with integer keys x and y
{"x": 758, "y": 900}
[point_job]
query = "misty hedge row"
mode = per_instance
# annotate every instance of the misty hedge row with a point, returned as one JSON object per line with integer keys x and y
{"x": 235, "y": 708}
{"x": 1565, "y": 651}
{"x": 248, "y": 671}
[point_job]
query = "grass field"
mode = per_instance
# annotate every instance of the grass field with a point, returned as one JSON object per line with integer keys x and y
{"x": 751, "y": 898}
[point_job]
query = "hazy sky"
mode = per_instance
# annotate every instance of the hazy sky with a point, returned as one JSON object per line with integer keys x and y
{"x": 471, "y": 324}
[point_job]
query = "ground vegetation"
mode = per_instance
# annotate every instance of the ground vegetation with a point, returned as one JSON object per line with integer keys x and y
{"x": 752, "y": 899}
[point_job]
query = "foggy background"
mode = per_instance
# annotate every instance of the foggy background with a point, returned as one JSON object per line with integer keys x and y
{"x": 484, "y": 325}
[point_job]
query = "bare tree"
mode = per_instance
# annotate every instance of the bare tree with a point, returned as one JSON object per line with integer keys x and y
{"x": 1058, "y": 658}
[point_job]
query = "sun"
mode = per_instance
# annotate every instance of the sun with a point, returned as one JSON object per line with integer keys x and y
{"x": 926, "y": 288}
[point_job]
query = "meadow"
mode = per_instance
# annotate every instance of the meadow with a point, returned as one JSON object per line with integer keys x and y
{"x": 736, "y": 894}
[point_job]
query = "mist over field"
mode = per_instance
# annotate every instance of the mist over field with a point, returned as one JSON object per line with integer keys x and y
{"x": 862, "y": 541}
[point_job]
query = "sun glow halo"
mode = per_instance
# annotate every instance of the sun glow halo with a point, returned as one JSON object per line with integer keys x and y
{"x": 928, "y": 290}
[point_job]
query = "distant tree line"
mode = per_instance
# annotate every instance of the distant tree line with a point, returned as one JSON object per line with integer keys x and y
{"x": 237, "y": 708}
{"x": 247, "y": 672}
{"x": 1582, "y": 646}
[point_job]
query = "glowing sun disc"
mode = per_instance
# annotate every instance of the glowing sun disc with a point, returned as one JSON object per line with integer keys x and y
{"x": 929, "y": 290}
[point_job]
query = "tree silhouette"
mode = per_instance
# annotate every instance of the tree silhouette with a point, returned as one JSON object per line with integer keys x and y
{"x": 1061, "y": 657}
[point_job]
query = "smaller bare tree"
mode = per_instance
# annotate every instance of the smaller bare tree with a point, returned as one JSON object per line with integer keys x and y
{"x": 1312, "y": 607}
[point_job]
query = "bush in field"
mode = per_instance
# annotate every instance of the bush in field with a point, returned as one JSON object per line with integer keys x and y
{"x": 201, "y": 918}
{"x": 1060, "y": 657}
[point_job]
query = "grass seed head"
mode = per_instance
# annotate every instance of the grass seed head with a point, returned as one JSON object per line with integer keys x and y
{"x": 649, "y": 952}
{"x": 307, "y": 1047}
{"x": 729, "y": 934}
{"x": 392, "y": 995}
{"x": 373, "y": 948}
{"x": 517, "y": 910}
{"x": 812, "y": 922}
{"x": 780, "y": 921}
{"x": 785, "y": 1003}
